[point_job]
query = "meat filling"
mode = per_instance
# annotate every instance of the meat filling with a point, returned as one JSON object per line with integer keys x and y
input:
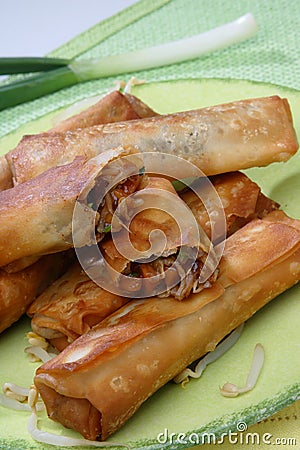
{"x": 170, "y": 269}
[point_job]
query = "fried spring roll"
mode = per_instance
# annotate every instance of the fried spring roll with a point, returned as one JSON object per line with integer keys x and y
{"x": 141, "y": 109}
{"x": 19, "y": 289}
{"x": 6, "y": 181}
{"x": 70, "y": 307}
{"x": 101, "y": 379}
{"x": 20, "y": 264}
{"x": 264, "y": 243}
{"x": 166, "y": 268}
{"x": 216, "y": 139}
{"x": 242, "y": 202}
{"x": 145, "y": 316}
{"x": 36, "y": 217}
{"x": 113, "y": 107}
{"x": 241, "y": 198}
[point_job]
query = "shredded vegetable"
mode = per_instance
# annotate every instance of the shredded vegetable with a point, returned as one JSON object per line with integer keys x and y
{"x": 226, "y": 344}
{"x": 39, "y": 354}
{"x": 232, "y": 390}
{"x": 16, "y": 397}
{"x": 11, "y": 403}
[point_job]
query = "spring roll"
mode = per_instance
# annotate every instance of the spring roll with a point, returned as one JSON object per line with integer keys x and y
{"x": 113, "y": 107}
{"x": 217, "y": 139}
{"x": 163, "y": 272}
{"x": 36, "y": 217}
{"x": 70, "y": 307}
{"x": 6, "y": 180}
{"x": 140, "y": 108}
{"x": 94, "y": 390}
{"x": 241, "y": 198}
{"x": 19, "y": 289}
{"x": 74, "y": 303}
{"x": 278, "y": 237}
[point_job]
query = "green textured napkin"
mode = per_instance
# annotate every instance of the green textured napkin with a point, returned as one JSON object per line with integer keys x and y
{"x": 270, "y": 56}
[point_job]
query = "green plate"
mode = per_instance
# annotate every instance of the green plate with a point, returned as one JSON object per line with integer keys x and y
{"x": 175, "y": 417}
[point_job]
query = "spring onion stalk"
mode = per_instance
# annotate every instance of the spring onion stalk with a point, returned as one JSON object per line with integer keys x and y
{"x": 169, "y": 53}
{"x": 12, "y": 65}
{"x": 161, "y": 55}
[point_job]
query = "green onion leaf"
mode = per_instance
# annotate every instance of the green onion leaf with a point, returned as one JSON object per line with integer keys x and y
{"x": 35, "y": 86}
{"x": 12, "y": 65}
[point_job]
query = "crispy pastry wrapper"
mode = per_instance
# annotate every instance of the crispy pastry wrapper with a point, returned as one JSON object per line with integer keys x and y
{"x": 140, "y": 108}
{"x": 74, "y": 303}
{"x": 36, "y": 218}
{"x": 242, "y": 201}
{"x": 113, "y": 107}
{"x": 162, "y": 272}
{"x": 71, "y": 306}
{"x": 19, "y": 289}
{"x": 277, "y": 235}
{"x": 6, "y": 181}
{"x": 254, "y": 132}
{"x": 241, "y": 198}
{"x": 100, "y": 380}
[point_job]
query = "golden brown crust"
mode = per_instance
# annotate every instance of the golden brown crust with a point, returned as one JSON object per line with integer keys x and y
{"x": 240, "y": 197}
{"x": 141, "y": 109}
{"x": 71, "y": 306}
{"x": 36, "y": 217}
{"x": 113, "y": 107}
{"x": 75, "y": 413}
{"x": 19, "y": 289}
{"x": 6, "y": 180}
{"x": 131, "y": 373}
{"x": 216, "y": 139}
{"x": 276, "y": 239}
{"x": 126, "y": 358}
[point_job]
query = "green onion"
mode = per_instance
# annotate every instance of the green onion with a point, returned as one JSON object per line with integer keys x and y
{"x": 169, "y": 53}
{"x": 160, "y": 55}
{"x": 142, "y": 170}
{"x": 36, "y": 86}
{"x": 106, "y": 229}
{"x": 180, "y": 185}
{"x": 30, "y": 64}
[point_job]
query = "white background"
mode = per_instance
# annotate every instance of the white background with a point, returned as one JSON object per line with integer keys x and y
{"x": 36, "y": 27}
